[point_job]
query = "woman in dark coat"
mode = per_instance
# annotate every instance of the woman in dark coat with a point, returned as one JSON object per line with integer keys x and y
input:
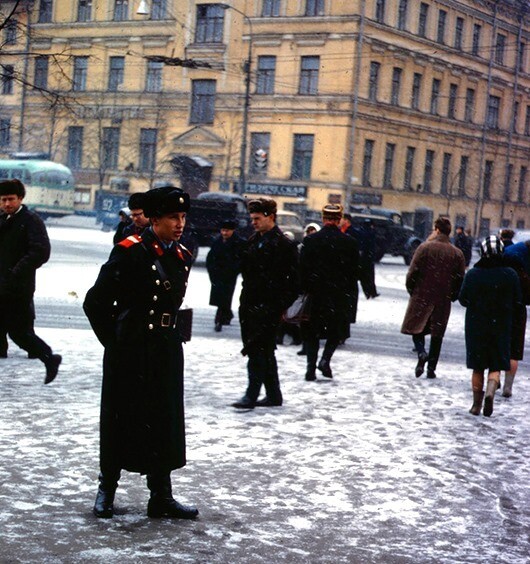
{"x": 491, "y": 293}
{"x": 133, "y": 308}
{"x": 223, "y": 263}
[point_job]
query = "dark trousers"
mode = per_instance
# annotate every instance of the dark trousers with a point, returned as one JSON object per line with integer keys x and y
{"x": 312, "y": 345}
{"x": 367, "y": 279}
{"x": 223, "y": 315}
{"x": 16, "y": 320}
{"x": 263, "y": 370}
{"x": 434, "y": 349}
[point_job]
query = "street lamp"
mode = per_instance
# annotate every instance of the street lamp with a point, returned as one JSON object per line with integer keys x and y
{"x": 244, "y": 134}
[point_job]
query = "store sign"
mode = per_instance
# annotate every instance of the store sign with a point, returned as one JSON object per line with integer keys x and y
{"x": 277, "y": 190}
{"x": 367, "y": 199}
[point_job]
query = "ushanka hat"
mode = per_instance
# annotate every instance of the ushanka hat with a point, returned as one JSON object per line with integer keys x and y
{"x": 228, "y": 224}
{"x": 332, "y": 212}
{"x": 164, "y": 200}
{"x": 266, "y": 206}
{"x": 491, "y": 246}
{"x": 136, "y": 201}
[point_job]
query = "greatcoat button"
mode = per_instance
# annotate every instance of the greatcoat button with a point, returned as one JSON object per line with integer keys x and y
{"x": 151, "y": 326}
{"x": 157, "y": 282}
{"x": 155, "y": 298}
{"x": 186, "y": 268}
{"x": 152, "y": 312}
{"x": 153, "y": 267}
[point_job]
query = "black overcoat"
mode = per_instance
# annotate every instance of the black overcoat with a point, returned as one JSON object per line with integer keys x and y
{"x": 223, "y": 263}
{"x": 142, "y": 403}
{"x": 24, "y": 247}
{"x": 491, "y": 293}
{"x": 269, "y": 267}
{"x": 329, "y": 268}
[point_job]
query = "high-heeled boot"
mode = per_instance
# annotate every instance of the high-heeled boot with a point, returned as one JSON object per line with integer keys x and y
{"x": 104, "y": 505}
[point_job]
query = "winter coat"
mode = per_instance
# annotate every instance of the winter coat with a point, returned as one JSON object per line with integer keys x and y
{"x": 329, "y": 268}
{"x": 133, "y": 313}
{"x": 24, "y": 247}
{"x": 491, "y": 293}
{"x": 223, "y": 263}
{"x": 465, "y": 244}
{"x": 521, "y": 253}
{"x": 433, "y": 282}
{"x": 269, "y": 268}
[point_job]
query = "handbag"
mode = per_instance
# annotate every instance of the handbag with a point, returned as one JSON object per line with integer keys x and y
{"x": 299, "y": 311}
{"x": 184, "y": 323}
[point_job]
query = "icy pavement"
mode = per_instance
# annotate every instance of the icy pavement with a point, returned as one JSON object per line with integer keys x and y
{"x": 375, "y": 466}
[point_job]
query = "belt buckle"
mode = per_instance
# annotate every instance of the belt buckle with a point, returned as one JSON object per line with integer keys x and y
{"x": 165, "y": 321}
{"x": 167, "y": 284}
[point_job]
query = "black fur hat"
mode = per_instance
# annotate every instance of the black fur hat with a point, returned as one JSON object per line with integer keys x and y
{"x": 166, "y": 199}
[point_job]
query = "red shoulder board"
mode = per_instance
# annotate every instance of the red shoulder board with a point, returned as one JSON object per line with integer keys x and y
{"x": 156, "y": 247}
{"x": 130, "y": 241}
{"x": 183, "y": 248}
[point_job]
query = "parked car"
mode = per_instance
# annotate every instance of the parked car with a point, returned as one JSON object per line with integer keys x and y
{"x": 290, "y": 224}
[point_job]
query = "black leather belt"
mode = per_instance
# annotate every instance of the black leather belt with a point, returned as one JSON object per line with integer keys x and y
{"x": 166, "y": 320}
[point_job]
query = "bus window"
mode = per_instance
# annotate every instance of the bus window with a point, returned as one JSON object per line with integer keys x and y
{"x": 4, "y": 174}
{"x": 19, "y": 173}
{"x": 38, "y": 179}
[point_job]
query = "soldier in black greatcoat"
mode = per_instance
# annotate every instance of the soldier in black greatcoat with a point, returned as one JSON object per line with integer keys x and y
{"x": 329, "y": 266}
{"x": 24, "y": 247}
{"x": 223, "y": 263}
{"x": 133, "y": 309}
{"x": 270, "y": 283}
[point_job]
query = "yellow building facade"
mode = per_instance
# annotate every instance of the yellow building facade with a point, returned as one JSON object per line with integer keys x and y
{"x": 418, "y": 106}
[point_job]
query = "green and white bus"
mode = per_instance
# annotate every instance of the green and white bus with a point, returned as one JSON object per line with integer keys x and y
{"x": 49, "y": 186}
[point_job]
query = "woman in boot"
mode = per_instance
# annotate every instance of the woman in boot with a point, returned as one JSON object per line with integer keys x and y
{"x": 491, "y": 293}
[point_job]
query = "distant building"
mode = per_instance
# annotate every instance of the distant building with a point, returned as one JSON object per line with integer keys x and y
{"x": 406, "y": 104}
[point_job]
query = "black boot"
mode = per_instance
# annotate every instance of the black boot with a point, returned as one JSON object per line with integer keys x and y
{"x": 52, "y": 362}
{"x": 161, "y": 502}
{"x": 104, "y": 505}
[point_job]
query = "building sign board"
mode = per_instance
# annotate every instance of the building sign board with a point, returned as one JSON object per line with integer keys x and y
{"x": 277, "y": 190}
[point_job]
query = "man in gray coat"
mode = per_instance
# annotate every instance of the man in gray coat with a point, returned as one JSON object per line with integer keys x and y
{"x": 433, "y": 282}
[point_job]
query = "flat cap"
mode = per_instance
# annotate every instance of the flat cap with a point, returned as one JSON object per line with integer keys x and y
{"x": 164, "y": 200}
{"x": 266, "y": 206}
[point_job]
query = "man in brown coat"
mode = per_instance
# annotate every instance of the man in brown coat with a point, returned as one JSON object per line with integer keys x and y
{"x": 433, "y": 282}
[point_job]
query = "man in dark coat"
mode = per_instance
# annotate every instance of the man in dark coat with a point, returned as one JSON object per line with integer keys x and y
{"x": 133, "y": 308}
{"x": 329, "y": 266}
{"x": 223, "y": 263}
{"x": 24, "y": 247}
{"x": 464, "y": 243}
{"x": 138, "y": 222}
{"x": 269, "y": 268}
{"x": 433, "y": 282}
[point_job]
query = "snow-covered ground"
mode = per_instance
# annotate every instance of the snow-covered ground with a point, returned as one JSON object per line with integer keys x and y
{"x": 372, "y": 466}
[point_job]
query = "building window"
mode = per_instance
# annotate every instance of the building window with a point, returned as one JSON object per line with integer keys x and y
{"x": 148, "y": 142}
{"x": 40, "y": 79}
{"x": 416, "y": 91}
{"x": 500, "y": 47}
{"x": 396, "y": 86}
{"x": 259, "y": 148}
{"x": 202, "y": 101}
{"x": 462, "y": 175}
{"x": 158, "y": 9}
{"x": 309, "y": 75}
{"x": 45, "y": 11}
{"x": 302, "y": 157}
{"x": 521, "y": 56}
{"x": 422, "y": 21}
{"x": 488, "y": 175}
{"x": 427, "y": 173}
{"x": 314, "y": 8}
{"x": 380, "y": 11}
{"x": 271, "y": 8}
{"x": 74, "y": 158}
{"x": 116, "y": 71}
{"x": 521, "y": 192}
{"x": 10, "y": 32}
{"x": 80, "y": 74}
{"x": 470, "y": 105}
{"x": 265, "y": 75}
{"x": 445, "y": 186}
{"x": 451, "y": 105}
{"x": 475, "y": 48}
{"x": 8, "y": 72}
{"x": 5, "y": 132}
{"x": 153, "y": 76}
{"x": 390, "y": 151}
{"x": 492, "y": 116}
{"x": 374, "y": 81}
{"x": 402, "y": 14}
{"x": 367, "y": 162}
{"x": 508, "y": 182}
{"x": 514, "y": 117}
{"x": 459, "y": 33}
{"x": 84, "y": 11}
{"x": 210, "y": 24}
{"x": 409, "y": 167}
{"x": 121, "y": 10}
{"x": 442, "y": 19}
{"x": 110, "y": 148}
{"x": 435, "y": 95}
